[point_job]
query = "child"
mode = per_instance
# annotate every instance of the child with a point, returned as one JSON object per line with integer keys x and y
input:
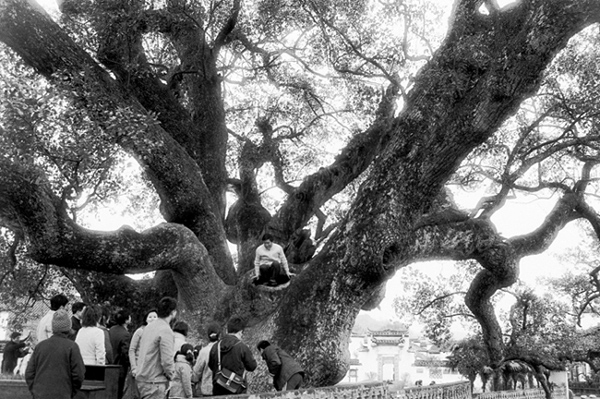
{"x": 181, "y": 384}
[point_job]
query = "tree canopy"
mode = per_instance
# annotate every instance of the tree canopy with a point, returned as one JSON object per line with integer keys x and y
{"x": 211, "y": 97}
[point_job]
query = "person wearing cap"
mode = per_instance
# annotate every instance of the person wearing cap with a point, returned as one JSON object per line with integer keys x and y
{"x": 55, "y": 369}
{"x": 202, "y": 373}
{"x": 12, "y": 352}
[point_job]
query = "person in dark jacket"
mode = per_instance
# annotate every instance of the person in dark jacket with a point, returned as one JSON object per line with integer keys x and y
{"x": 55, "y": 369}
{"x": 119, "y": 341}
{"x": 13, "y": 350}
{"x": 287, "y": 373}
{"x": 235, "y": 355}
{"x": 77, "y": 309}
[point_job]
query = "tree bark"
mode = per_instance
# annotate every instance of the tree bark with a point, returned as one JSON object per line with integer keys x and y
{"x": 485, "y": 68}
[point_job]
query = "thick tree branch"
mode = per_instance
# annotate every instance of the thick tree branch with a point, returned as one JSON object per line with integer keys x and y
{"x": 353, "y": 160}
{"x": 53, "y": 238}
{"x": 225, "y": 33}
{"x": 185, "y": 198}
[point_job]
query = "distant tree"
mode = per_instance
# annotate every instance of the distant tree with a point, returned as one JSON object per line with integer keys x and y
{"x": 469, "y": 358}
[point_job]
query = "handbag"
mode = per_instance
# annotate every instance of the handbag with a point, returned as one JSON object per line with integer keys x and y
{"x": 227, "y": 378}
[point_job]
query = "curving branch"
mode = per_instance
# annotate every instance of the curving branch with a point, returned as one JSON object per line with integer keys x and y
{"x": 437, "y": 299}
{"x": 354, "y": 47}
{"x": 52, "y": 237}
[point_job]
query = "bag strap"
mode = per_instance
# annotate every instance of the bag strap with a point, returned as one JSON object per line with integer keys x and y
{"x": 219, "y": 358}
{"x": 219, "y": 354}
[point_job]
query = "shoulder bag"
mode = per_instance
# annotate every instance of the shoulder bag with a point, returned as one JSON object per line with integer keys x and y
{"x": 227, "y": 378}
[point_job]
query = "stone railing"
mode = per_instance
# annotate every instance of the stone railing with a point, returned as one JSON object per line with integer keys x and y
{"x": 455, "y": 390}
{"x": 557, "y": 393}
{"x": 371, "y": 390}
{"x": 584, "y": 388}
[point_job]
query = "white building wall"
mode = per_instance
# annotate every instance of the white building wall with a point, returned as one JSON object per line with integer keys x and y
{"x": 379, "y": 362}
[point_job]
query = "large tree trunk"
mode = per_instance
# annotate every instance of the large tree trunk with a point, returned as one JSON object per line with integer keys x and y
{"x": 484, "y": 69}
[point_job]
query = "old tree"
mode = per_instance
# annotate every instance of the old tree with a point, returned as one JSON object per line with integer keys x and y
{"x": 208, "y": 95}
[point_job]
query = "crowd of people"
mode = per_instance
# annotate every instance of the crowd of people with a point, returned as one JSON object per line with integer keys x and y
{"x": 154, "y": 361}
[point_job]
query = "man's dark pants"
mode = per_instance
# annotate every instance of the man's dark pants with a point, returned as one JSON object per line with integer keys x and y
{"x": 272, "y": 274}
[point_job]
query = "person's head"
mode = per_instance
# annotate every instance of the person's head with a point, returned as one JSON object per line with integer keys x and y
{"x": 122, "y": 317}
{"x": 186, "y": 350}
{"x": 77, "y": 309}
{"x": 267, "y": 240}
{"x": 104, "y": 312}
{"x": 213, "y": 330}
{"x": 150, "y": 316}
{"x": 181, "y": 327}
{"x": 58, "y": 301}
{"x": 61, "y": 322}
{"x": 15, "y": 336}
{"x": 236, "y": 325}
{"x": 262, "y": 345}
{"x": 91, "y": 316}
{"x": 167, "y": 308}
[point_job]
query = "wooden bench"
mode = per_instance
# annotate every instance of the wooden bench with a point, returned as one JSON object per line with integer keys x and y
{"x": 101, "y": 382}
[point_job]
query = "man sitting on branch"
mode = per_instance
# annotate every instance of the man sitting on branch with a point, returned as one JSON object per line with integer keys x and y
{"x": 270, "y": 263}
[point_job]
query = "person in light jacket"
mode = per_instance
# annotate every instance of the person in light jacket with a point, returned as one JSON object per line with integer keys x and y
{"x": 202, "y": 373}
{"x": 181, "y": 384}
{"x": 156, "y": 364}
{"x": 287, "y": 373}
{"x": 90, "y": 337}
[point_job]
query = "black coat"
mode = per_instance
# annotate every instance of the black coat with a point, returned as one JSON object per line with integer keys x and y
{"x": 281, "y": 365}
{"x": 235, "y": 356}
{"x": 12, "y": 352}
{"x": 119, "y": 340}
{"x": 55, "y": 369}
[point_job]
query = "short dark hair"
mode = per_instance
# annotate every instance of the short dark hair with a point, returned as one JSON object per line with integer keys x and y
{"x": 188, "y": 351}
{"x": 267, "y": 236}
{"x": 235, "y": 324}
{"x": 263, "y": 344}
{"x": 144, "y": 322}
{"x": 121, "y": 316}
{"x": 15, "y": 334}
{"x": 181, "y": 327}
{"x": 77, "y": 306}
{"x": 91, "y": 316}
{"x": 213, "y": 330}
{"x": 57, "y": 301}
{"x": 165, "y": 306}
